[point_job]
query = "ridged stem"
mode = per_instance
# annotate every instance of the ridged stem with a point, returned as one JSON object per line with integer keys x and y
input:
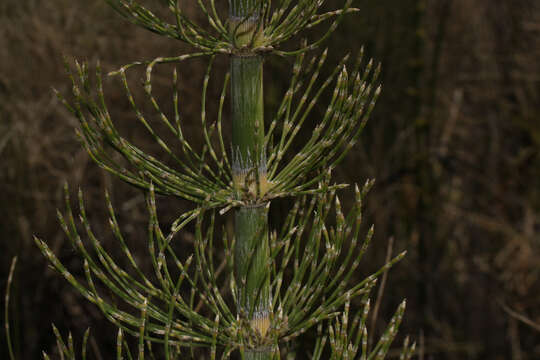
{"x": 249, "y": 174}
{"x": 251, "y": 266}
{"x": 257, "y": 355}
{"x": 247, "y": 112}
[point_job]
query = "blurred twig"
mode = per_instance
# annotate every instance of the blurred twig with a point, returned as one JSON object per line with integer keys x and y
{"x": 6, "y": 313}
{"x": 520, "y": 317}
{"x": 381, "y": 289}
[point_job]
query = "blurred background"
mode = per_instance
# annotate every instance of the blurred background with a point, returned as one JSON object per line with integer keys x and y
{"x": 453, "y": 143}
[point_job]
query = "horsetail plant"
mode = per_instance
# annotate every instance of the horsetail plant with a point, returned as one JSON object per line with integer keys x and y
{"x": 280, "y": 283}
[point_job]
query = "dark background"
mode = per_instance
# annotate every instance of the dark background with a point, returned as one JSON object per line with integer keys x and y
{"x": 454, "y": 144}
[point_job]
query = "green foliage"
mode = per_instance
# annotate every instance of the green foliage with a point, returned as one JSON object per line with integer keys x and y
{"x": 279, "y": 284}
{"x": 311, "y": 268}
{"x": 206, "y": 177}
{"x": 276, "y": 22}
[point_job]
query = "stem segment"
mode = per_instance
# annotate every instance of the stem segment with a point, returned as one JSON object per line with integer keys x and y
{"x": 247, "y": 110}
{"x": 252, "y": 252}
{"x": 249, "y": 174}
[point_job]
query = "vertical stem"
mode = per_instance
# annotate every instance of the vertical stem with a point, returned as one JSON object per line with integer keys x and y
{"x": 247, "y": 110}
{"x": 252, "y": 268}
{"x": 249, "y": 174}
{"x": 257, "y": 355}
{"x": 251, "y": 250}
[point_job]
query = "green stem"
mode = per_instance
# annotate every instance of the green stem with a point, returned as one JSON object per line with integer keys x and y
{"x": 252, "y": 270}
{"x": 247, "y": 109}
{"x": 243, "y": 8}
{"x": 257, "y": 355}
{"x": 251, "y": 251}
{"x": 249, "y": 175}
